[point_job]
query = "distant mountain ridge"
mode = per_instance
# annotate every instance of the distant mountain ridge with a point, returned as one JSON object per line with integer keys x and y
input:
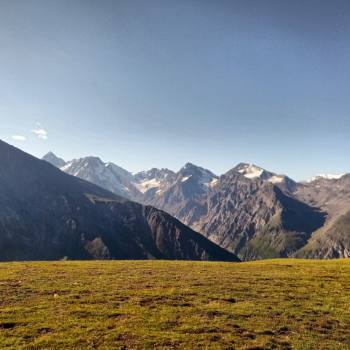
{"x": 250, "y": 211}
{"x": 106, "y": 175}
{"x": 326, "y": 176}
{"x": 46, "y": 214}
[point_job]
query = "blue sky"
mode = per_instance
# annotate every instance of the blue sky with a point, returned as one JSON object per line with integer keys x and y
{"x": 158, "y": 83}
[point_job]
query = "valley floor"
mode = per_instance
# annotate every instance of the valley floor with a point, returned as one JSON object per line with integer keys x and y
{"x": 275, "y": 304}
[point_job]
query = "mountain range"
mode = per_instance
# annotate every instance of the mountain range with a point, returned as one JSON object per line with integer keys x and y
{"x": 47, "y": 214}
{"x": 249, "y": 211}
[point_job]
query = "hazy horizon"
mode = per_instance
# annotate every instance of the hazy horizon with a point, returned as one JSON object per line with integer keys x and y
{"x": 162, "y": 83}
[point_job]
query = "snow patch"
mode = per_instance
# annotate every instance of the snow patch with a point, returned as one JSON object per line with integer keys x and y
{"x": 327, "y": 177}
{"x": 213, "y": 182}
{"x": 275, "y": 179}
{"x": 185, "y": 178}
{"x": 251, "y": 171}
{"x": 144, "y": 186}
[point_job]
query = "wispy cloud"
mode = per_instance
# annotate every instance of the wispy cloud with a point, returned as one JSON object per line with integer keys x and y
{"x": 19, "y": 137}
{"x": 40, "y": 132}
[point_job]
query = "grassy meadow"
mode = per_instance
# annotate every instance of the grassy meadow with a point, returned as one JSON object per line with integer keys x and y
{"x": 273, "y": 304}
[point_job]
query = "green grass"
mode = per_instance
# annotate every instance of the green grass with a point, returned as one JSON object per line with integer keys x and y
{"x": 275, "y": 304}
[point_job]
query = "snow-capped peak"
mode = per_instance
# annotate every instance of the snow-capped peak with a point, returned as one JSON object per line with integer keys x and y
{"x": 326, "y": 177}
{"x": 198, "y": 175}
{"x": 155, "y": 179}
{"x": 250, "y": 171}
{"x": 107, "y": 175}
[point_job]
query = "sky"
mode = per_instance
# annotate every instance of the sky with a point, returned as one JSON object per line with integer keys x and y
{"x": 159, "y": 83}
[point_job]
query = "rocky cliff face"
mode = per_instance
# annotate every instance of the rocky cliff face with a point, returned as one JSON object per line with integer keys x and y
{"x": 184, "y": 197}
{"x": 255, "y": 219}
{"x": 330, "y": 241}
{"x": 332, "y": 195}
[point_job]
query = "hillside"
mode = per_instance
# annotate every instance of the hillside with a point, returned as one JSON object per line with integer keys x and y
{"x": 272, "y": 304}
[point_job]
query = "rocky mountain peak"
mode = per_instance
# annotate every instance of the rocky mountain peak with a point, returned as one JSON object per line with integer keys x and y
{"x": 107, "y": 175}
{"x": 194, "y": 175}
{"x": 153, "y": 173}
{"x": 252, "y": 171}
{"x": 54, "y": 160}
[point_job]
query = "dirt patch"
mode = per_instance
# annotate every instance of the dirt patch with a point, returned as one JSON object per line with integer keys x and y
{"x": 45, "y": 330}
{"x": 10, "y": 325}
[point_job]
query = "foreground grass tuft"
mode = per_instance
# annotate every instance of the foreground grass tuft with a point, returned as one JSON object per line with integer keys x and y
{"x": 275, "y": 304}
